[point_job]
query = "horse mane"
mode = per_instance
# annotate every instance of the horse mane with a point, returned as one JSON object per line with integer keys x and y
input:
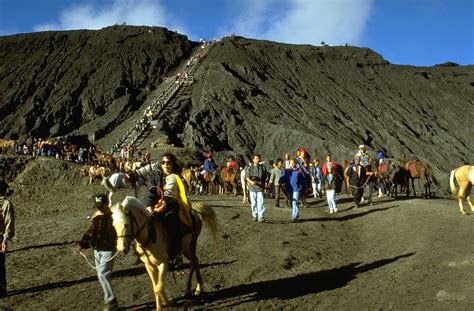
{"x": 118, "y": 213}
{"x": 132, "y": 202}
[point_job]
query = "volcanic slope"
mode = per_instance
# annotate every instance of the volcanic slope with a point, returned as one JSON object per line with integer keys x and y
{"x": 55, "y": 83}
{"x": 248, "y": 96}
{"x": 270, "y": 97}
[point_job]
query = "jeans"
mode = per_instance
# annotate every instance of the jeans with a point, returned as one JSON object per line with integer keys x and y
{"x": 295, "y": 198}
{"x": 256, "y": 204}
{"x": 316, "y": 189}
{"x": 104, "y": 272}
{"x": 331, "y": 198}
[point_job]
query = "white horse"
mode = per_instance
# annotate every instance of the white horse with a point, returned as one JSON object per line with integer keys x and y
{"x": 464, "y": 176}
{"x": 132, "y": 221}
{"x": 243, "y": 181}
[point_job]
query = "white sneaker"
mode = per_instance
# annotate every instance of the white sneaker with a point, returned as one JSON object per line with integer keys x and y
{"x": 362, "y": 200}
{"x": 330, "y": 212}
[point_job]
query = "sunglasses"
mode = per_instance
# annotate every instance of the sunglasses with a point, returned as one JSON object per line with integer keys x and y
{"x": 165, "y": 162}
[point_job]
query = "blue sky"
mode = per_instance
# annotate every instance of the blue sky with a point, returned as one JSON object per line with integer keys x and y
{"x": 414, "y": 32}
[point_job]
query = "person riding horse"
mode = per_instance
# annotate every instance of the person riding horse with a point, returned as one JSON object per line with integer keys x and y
{"x": 169, "y": 204}
{"x": 209, "y": 166}
{"x": 363, "y": 156}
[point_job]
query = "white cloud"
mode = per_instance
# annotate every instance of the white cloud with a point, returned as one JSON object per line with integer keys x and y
{"x": 304, "y": 21}
{"x": 132, "y": 12}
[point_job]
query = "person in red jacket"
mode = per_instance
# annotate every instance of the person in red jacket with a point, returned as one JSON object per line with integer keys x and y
{"x": 232, "y": 163}
{"x": 328, "y": 163}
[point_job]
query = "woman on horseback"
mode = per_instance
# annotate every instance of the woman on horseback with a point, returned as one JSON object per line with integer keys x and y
{"x": 170, "y": 204}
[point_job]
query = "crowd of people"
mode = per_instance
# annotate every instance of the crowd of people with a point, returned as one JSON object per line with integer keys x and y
{"x": 294, "y": 178}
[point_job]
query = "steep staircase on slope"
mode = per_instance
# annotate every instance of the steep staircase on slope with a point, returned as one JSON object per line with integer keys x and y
{"x": 139, "y": 130}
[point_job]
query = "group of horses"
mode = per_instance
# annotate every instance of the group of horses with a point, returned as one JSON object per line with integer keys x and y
{"x": 132, "y": 221}
{"x": 225, "y": 180}
{"x": 397, "y": 174}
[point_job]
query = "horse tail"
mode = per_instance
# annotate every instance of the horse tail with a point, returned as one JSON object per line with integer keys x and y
{"x": 209, "y": 217}
{"x": 436, "y": 182}
{"x": 451, "y": 184}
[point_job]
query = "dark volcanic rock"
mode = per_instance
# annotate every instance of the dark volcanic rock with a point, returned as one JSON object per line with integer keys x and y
{"x": 248, "y": 96}
{"x": 271, "y": 98}
{"x": 53, "y": 83}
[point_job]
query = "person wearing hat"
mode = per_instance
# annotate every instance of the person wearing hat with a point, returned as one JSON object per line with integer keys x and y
{"x": 101, "y": 237}
{"x": 7, "y": 231}
{"x": 116, "y": 181}
{"x": 209, "y": 166}
{"x": 363, "y": 155}
{"x": 357, "y": 175}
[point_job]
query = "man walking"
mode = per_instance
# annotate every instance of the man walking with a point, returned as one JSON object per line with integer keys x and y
{"x": 7, "y": 231}
{"x": 293, "y": 179}
{"x": 275, "y": 181}
{"x": 357, "y": 176}
{"x": 257, "y": 176}
{"x": 102, "y": 238}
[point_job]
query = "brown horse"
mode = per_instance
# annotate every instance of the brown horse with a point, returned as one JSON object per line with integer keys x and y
{"x": 209, "y": 179}
{"x": 6, "y": 144}
{"x": 423, "y": 172}
{"x": 229, "y": 180}
{"x": 345, "y": 176}
{"x": 131, "y": 222}
{"x": 464, "y": 176}
{"x": 105, "y": 159}
{"x": 95, "y": 172}
{"x": 189, "y": 175}
{"x": 385, "y": 177}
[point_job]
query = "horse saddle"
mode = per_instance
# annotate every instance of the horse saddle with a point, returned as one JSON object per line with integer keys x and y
{"x": 383, "y": 168}
{"x": 411, "y": 165}
{"x": 208, "y": 176}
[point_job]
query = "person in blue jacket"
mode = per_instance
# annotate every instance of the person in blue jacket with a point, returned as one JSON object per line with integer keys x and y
{"x": 294, "y": 179}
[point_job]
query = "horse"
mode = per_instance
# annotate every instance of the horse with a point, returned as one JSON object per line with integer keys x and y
{"x": 400, "y": 177}
{"x": 6, "y": 144}
{"x": 190, "y": 177}
{"x": 245, "y": 189}
{"x": 105, "y": 159}
{"x": 129, "y": 165}
{"x": 209, "y": 179}
{"x": 229, "y": 178}
{"x": 95, "y": 172}
{"x": 345, "y": 165}
{"x": 423, "y": 172}
{"x": 464, "y": 176}
{"x": 384, "y": 177}
{"x": 132, "y": 222}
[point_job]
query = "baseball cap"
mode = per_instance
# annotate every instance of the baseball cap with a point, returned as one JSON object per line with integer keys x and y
{"x": 100, "y": 200}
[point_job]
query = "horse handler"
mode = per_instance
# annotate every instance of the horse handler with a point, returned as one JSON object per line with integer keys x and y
{"x": 7, "y": 231}
{"x": 102, "y": 238}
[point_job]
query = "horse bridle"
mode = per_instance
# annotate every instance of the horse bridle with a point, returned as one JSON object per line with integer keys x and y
{"x": 133, "y": 223}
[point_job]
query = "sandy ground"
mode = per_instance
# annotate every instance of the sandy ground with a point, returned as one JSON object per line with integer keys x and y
{"x": 406, "y": 254}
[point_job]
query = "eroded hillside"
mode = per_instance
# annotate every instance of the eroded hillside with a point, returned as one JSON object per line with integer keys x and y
{"x": 248, "y": 95}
